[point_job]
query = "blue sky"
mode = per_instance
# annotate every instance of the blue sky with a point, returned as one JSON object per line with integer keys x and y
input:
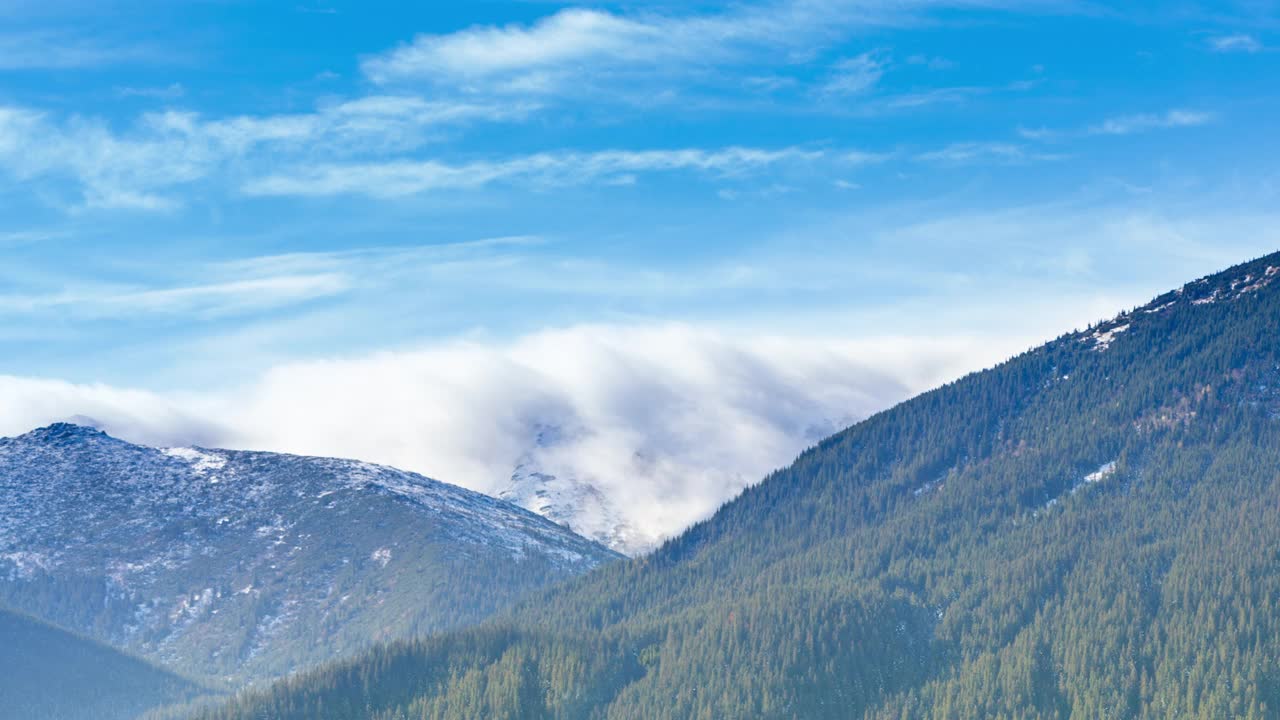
{"x": 200, "y": 196}
{"x": 285, "y": 179}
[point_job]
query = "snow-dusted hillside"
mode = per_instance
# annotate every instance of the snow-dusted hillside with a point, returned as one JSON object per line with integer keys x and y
{"x": 576, "y": 504}
{"x": 241, "y": 565}
{"x": 609, "y": 510}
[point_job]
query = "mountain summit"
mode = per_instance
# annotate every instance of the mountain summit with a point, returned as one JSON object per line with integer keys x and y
{"x": 1087, "y": 530}
{"x": 571, "y": 501}
{"x": 232, "y": 566}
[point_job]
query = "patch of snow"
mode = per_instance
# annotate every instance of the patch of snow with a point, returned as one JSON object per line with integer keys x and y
{"x": 1255, "y": 286}
{"x": 1103, "y": 339}
{"x": 382, "y": 556}
{"x": 26, "y": 563}
{"x": 192, "y": 606}
{"x": 1102, "y": 473}
{"x": 927, "y": 488}
{"x": 203, "y": 462}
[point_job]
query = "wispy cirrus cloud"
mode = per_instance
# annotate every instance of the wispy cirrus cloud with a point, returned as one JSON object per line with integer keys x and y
{"x": 251, "y": 285}
{"x": 1237, "y": 43}
{"x": 370, "y": 124}
{"x": 411, "y": 177}
{"x": 577, "y": 47}
{"x": 47, "y": 49}
{"x": 542, "y": 55}
{"x": 967, "y": 153}
{"x": 136, "y": 168}
{"x": 78, "y": 162}
{"x": 172, "y": 91}
{"x": 1142, "y": 122}
{"x": 855, "y": 75}
{"x": 1131, "y": 124}
{"x": 198, "y": 300}
{"x": 110, "y": 170}
{"x": 376, "y": 261}
{"x": 233, "y": 296}
{"x": 570, "y": 36}
{"x": 918, "y": 99}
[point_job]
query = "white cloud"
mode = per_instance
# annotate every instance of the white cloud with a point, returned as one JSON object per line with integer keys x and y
{"x": 378, "y": 261}
{"x": 572, "y": 35}
{"x": 541, "y": 56}
{"x": 861, "y": 157}
{"x": 200, "y": 300}
{"x": 933, "y": 63}
{"x": 57, "y": 50}
{"x": 1124, "y": 125}
{"x": 139, "y": 169}
{"x": 136, "y": 169}
{"x": 933, "y": 96}
{"x": 376, "y": 123}
{"x": 228, "y": 297}
{"x": 670, "y": 420}
{"x": 142, "y": 416}
{"x": 409, "y": 177}
{"x": 984, "y": 152}
{"x": 172, "y": 91}
{"x": 569, "y": 49}
{"x": 1039, "y": 133}
{"x": 1235, "y": 43}
{"x": 1130, "y": 124}
{"x": 113, "y": 172}
{"x": 855, "y": 75}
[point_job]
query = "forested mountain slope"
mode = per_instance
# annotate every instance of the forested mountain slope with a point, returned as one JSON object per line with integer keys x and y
{"x": 1089, "y": 530}
{"x": 50, "y": 674}
{"x": 234, "y": 566}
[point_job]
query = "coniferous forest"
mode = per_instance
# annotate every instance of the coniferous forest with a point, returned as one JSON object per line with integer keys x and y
{"x": 51, "y": 674}
{"x": 1089, "y": 530}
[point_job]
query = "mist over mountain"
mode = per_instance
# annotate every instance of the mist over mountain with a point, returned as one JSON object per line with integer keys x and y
{"x": 661, "y": 424}
{"x": 549, "y": 482}
{"x": 1086, "y": 530}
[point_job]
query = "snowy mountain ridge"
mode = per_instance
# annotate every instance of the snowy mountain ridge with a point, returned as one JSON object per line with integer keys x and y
{"x": 226, "y": 563}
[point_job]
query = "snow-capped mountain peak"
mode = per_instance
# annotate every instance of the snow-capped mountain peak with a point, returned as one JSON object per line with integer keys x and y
{"x": 172, "y": 552}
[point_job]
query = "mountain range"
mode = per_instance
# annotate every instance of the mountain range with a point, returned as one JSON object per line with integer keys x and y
{"x": 230, "y": 567}
{"x": 1086, "y": 530}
